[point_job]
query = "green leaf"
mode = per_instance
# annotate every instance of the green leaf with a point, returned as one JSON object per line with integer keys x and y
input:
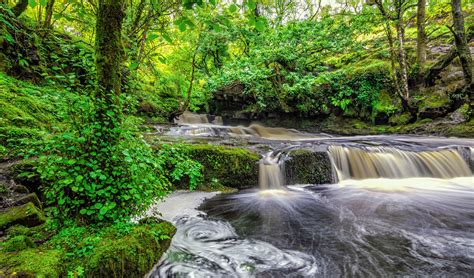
{"x": 182, "y": 26}
{"x": 103, "y": 210}
{"x": 152, "y": 37}
{"x": 167, "y": 38}
{"x": 133, "y": 66}
{"x": 43, "y": 3}
{"x": 32, "y": 3}
{"x": 233, "y": 8}
{"x": 260, "y": 25}
{"x": 251, "y": 4}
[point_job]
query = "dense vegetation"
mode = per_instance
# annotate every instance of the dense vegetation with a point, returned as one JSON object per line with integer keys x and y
{"x": 80, "y": 79}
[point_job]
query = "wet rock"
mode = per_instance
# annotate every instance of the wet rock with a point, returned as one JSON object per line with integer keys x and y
{"x": 308, "y": 167}
{"x": 27, "y": 215}
{"x": 18, "y": 188}
{"x": 27, "y": 199}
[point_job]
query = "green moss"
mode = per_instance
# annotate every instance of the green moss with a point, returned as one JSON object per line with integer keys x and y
{"x": 400, "y": 119}
{"x": 37, "y": 233}
{"x": 31, "y": 263}
{"x": 132, "y": 255}
{"x": 232, "y": 167}
{"x": 17, "y": 243}
{"x": 27, "y": 215}
{"x": 308, "y": 167}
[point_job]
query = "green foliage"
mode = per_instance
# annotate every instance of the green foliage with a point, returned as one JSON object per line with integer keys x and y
{"x": 178, "y": 162}
{"x": 287, "y": 70}
{"x": 100, "y": 172}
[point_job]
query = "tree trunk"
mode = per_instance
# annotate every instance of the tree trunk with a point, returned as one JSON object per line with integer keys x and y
{"x": 462, "y": 46}
{"x": 49, "y": 14}
{"x": 109, "y": 55}
{"x": 402, "y": 60}
{"x": 421, "y": 35}
{"x": 20, "y": 7}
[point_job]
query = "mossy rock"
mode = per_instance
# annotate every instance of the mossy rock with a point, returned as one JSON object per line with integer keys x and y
{"x": 400, "y": 119}
{"x": 31, "y": 262}
{"x": 308, "y": 167}
{"x": 25, "y": 173}
{"x": 37, "y": 233}
{"x": 27, "y": 215}
{"x": 27, "y": 199}
{"x": 131, "y": 255}
{"x": 227, "y": 166}
{"x": 17, "y": 243}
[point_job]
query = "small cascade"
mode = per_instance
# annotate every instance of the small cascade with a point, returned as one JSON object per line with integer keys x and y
{"x": 270, "y": 174}
{"x": 387, "y": 162}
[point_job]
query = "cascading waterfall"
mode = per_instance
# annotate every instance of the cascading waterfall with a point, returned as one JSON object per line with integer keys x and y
{"x": 403, "y": 206}
{"x": 270, "y": 175}
{"x": 386, "y": 162}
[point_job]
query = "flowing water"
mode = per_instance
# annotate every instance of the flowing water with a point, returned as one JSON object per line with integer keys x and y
{"x": 403, "y": 206}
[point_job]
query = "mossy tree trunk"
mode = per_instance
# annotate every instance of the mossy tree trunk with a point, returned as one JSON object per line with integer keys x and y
{"x": 109, "y": 57}
{"x": 48, "y": 14}
{"x": 20, "y": 7}
{"x": 462, "y": 46}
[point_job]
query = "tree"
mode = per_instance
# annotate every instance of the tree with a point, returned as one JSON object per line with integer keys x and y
{"x": 462, "y": 46}
{"x": 393, "y": 12}
{"x": 109, "y": 56}
{"x": 421, "y": 34}
{"x": 49, "y": 14}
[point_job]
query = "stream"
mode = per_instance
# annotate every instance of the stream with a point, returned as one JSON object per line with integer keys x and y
{"x": 399, "y": 206}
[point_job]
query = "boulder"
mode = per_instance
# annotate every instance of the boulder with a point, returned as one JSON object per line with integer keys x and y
{"x": 27, "y": 215}
{"x": 308, "y": 167}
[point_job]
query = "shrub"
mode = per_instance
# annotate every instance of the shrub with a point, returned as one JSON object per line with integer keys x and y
{"x": 100, "y": 170}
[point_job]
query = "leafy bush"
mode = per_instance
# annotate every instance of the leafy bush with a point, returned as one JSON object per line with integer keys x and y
{"x": 179, "y": 164}
{"x": 100, "y": 170}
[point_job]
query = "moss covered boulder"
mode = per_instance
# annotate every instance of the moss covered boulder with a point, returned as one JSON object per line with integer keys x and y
{"x": 308, "y": 167}
{"x": 232, "y": 167}
{"x": 130, "y": 255}
{"x": 118, "y": 250}
{"x": 26, "y": 215}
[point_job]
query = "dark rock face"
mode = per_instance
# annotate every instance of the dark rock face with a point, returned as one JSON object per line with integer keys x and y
{"x": 308, "y": 167}
{"x": 433, "y": 112}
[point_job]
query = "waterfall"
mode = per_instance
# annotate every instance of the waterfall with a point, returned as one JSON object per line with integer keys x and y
{"x": 387, "y": 162}
{"x": 270, "y": 175}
